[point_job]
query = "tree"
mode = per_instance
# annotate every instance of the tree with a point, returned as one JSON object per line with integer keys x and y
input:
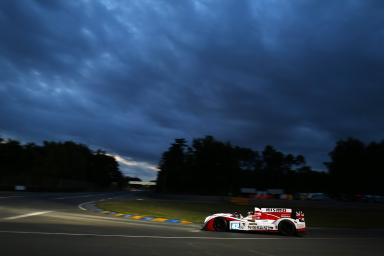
{"x": 104, "y": 170}
{"x": 56, "y": 166}
{"x": 216, "y": 165}
{"x": 273, "y": 167}
{"x": 171, "y": 167}
{"x": 374, "y": 170}
{"x": 348, "y": 163}
{"x": 210, "y": 166}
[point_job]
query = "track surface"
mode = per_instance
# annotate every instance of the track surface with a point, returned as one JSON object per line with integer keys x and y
{"x": 53, "y": 224}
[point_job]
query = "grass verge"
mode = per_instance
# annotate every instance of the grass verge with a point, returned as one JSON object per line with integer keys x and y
{"x": 339, "y": 215}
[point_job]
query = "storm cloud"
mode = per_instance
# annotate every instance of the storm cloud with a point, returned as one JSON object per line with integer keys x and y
{"x": 130, "y": 76}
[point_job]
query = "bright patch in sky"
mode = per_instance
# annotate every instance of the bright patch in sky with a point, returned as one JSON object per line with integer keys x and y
{"x": 134, "y": 168}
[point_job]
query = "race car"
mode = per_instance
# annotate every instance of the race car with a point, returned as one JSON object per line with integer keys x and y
{"x": 285, "y": 221}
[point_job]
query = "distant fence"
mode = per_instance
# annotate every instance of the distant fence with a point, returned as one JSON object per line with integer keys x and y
{"x": 240, "y": 200}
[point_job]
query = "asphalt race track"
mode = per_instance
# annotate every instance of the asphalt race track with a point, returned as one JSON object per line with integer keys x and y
{"x": 53, "y": 224}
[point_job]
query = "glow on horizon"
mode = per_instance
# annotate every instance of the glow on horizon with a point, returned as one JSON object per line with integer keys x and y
{"x": 128, "y": 162}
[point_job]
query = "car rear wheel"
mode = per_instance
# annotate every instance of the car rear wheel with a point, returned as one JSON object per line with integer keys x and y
{"x": 220, "y": 224}
{"x": 287, "y": 228}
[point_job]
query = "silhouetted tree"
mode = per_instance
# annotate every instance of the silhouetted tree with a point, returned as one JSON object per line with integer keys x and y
{"x": 373, "y": 174}
{"x": 213, "y": 167}
{"x": 215, "y": 164}
{"x": 104, "y": 170}
{"x": 56, "y": 166}
{"x": 171, "y": 167}
{"x": 356, "y": 167}
{"x": 347, "y": 163}
{"x": 276, "y": 166}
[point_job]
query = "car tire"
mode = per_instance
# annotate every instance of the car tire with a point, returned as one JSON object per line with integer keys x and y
{"x": 220, "y": 224}
{"x": 287, "y": 228}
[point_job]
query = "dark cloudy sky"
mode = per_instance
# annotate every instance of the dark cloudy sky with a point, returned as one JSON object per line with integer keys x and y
{"x": 130, "y": 76}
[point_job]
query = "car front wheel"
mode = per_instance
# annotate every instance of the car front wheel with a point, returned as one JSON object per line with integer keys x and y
{"x": 220, "y": 224}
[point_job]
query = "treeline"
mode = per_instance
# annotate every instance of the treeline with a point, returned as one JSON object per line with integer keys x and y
{"x": 209, "y": 166}
{"x": 56, "y": 166}
{"x": 356, "y": 166}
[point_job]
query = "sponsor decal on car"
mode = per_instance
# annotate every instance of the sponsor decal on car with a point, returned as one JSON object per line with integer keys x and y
{"x": 275, "y": 210}
{"x": 259, "y": 227}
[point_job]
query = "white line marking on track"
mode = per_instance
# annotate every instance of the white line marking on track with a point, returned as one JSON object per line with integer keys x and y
{"x": 70, "y": 197}
{"x": 81, "y": 205}
{"x": 26, "y": 215}
{"x": 150, "y": 237}
{"x": 180, "y": 237}
{"x": 3, "y": 197}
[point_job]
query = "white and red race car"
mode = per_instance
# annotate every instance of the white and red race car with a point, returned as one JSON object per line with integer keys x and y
{"x": 285, "y": 221}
